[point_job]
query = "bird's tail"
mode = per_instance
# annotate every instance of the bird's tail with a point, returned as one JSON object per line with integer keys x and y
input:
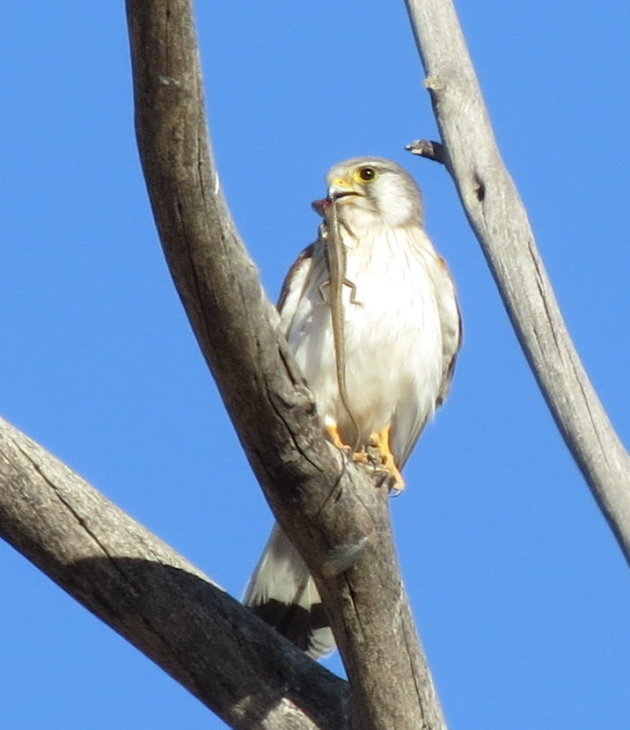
{"x": 283, "y": 593}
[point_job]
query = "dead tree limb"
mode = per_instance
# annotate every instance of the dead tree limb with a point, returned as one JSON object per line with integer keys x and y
{"x": 167, "y": 608}
{"x": 499, "y": 220}
{"x": 323, "y": 503}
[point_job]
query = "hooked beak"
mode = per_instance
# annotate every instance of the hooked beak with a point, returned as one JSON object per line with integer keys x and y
{"x": 340, "y": 188}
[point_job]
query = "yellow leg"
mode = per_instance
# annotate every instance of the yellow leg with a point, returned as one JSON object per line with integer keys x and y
{"x": 334, "y": 436}
{"x": 381, "y": 441}
{"x": 360, "y": 457}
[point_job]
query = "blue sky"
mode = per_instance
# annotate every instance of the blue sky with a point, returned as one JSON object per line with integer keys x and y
{"x": 521, "y": 594}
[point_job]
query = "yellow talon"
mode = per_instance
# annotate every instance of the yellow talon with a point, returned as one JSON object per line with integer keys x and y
{"x": 381, "y": 442}
{"x": 360, "y": 457}
{"x": 333, "y": 435}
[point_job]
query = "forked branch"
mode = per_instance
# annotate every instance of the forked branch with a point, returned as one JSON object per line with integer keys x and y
{"x": 155, "y": 598}
{"x": 324, "y": 504}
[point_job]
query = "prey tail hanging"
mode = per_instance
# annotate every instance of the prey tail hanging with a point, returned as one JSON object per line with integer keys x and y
{"x": 337, "y": 279}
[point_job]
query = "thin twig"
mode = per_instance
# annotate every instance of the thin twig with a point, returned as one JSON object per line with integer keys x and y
{"x": 427, "y": 148}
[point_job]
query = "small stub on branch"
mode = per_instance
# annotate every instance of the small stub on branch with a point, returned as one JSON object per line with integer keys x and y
{"x": 427, "y": 148}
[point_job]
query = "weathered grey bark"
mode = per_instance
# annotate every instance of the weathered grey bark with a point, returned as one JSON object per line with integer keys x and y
{"x": 331, "y": 509}
{"x": 207, "y": 641}
{"x": 499, "y": 220}
{"x": 328, "y": 507}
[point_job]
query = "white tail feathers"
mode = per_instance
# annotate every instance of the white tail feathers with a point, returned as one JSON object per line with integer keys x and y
{"x": 282, "y": 592}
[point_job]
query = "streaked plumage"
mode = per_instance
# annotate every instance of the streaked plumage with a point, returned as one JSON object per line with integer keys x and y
{"x": 402, "y": 332}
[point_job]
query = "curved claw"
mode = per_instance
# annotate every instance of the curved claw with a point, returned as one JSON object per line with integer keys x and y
{"x": 381, "y": 442}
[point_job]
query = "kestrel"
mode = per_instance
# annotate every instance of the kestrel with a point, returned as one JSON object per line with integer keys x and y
{"x": 370, "y": 313}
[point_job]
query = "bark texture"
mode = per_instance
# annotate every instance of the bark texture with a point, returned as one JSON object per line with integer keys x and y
{"x": 233, "y": 662}
{"x": 328, "y": 507}
{"x": 499, "y": 220}
{"x": 334, "y": 511}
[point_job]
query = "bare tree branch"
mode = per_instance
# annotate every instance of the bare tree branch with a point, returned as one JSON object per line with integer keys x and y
{"x": 330, "y": 508}
{"x": 498, "y": 217}
{"x": 427, "y": 148}
{"x": 327, "y": 507}
{"x": 236, "y": 665}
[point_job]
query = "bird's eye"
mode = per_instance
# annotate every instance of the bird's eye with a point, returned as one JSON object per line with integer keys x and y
{"x": 366, "y": 174}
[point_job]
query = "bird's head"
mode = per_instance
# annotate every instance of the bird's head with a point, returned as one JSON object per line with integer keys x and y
{"x": 372, "y": 187}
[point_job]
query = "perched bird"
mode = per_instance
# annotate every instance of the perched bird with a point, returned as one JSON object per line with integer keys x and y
{"x": 370, "y": 313}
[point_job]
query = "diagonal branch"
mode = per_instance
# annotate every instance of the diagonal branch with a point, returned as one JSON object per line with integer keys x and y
{"x": 162, "y": 604}
{"x": 327, "y": 508}
{"x": 499, "y": 220}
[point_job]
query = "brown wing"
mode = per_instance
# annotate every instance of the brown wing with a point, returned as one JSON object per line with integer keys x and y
{"x": 451, "y": 321}
{"x": 294, "y": 280}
